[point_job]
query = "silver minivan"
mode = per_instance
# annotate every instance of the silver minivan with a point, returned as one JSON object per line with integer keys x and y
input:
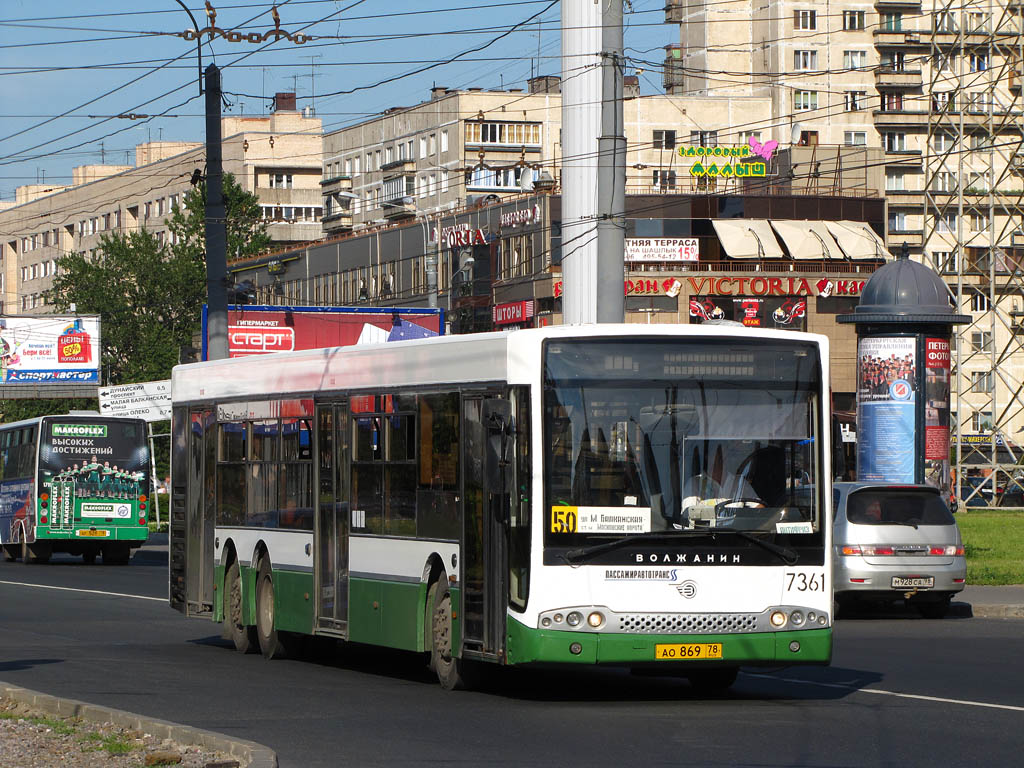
{"x": 896, "y": 542}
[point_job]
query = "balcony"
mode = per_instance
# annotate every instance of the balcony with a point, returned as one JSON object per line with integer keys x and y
{"x": 402, "y": 165}
{"x": 674, "y": 11}
{"x": 914, "y": 238}
{"x": 891, "y": 77}
{"x": 899, "y": 118}
{"x": 905, "y": 198}
{"x": 886, "y": 5}
{"x": 903, "y": 39}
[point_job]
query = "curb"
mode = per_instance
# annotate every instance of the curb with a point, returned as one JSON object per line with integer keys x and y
{"x": 968, "y": 610}
{"x": 249, "y": 753}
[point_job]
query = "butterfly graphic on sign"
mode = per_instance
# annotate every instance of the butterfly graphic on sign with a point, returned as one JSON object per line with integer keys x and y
{"x": 765, "y": 150}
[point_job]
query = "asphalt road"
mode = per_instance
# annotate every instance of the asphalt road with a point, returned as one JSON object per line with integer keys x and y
{"x": 901, "y": 691}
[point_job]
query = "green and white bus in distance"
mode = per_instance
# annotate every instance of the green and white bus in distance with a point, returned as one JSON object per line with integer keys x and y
{"x": 76, "y": 483}
{"x": 645, "y": 496}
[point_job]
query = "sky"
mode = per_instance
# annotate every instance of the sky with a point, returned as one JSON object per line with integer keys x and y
{"x": 72, "y": 72}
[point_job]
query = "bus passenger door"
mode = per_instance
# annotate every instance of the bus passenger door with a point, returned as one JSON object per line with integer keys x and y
{"x": 332, "y": 522}
{"x": 200, "y": 512}
{"x": 484, "y": 545}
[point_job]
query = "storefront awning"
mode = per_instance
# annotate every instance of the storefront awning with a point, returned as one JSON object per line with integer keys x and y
{"x": 858, "y": 240}
{"x": 808, "y": 239}
{"x": 747, "y": 238}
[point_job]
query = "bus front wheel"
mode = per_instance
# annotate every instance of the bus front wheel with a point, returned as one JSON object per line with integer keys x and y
{"x": 442, "y": 655}
{"x": 270, "y": 640}
{"x": 244, "y": 637}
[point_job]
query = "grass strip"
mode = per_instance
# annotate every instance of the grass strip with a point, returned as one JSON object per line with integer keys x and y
{"x": 994, "y": 544}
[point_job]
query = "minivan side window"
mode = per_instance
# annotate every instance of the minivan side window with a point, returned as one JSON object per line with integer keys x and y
{"x": 897, "y": 507}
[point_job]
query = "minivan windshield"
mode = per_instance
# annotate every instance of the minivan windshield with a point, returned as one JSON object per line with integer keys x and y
{"x": 652, "y": 435}
{"x": 890, "y": 506}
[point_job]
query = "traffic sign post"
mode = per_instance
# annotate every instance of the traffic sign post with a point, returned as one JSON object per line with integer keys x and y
{"x": 149, "y": 401}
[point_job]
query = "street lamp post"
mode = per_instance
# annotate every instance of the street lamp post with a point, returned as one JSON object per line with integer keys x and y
{"x": 431, "y": 254}
{"x": 199, "y": 43}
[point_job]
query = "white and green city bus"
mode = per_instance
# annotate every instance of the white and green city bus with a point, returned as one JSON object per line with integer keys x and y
{"x": 645, "y": 496}
{"x": 76, "y": 483}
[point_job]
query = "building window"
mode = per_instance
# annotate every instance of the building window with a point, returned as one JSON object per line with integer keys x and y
{"x": 894, "y": 61}
{"x": 854, "y": 59}
{"x": 348, "y": 166}
{"x": 981, "y": 381}
{"x": 444, "y": 141}
{"x": 979, "y": 302}
{"x": 855, "y": 138}
{"x": 895, "y": 142}
{"x": 979, "y": 222}
{"x": 942, "y": 100}
{"x": 892, "y": 102}
{"x": 280, "y": 181}
{"x": 805, "y": 19}
{"x": 977, "y": 22}
{"x": 855, "y": 100}
{"x": 702, "y": 138}
{"x": 978, "y": 62}
{"x": 981, "y": 341}
{"x": 805, "y": 60}
{"x": 944, "y": 261}
{"x": 947, "y": 223}
{"x": 665, "y": 139}
{"x": 943, "y": 141}
{"x": 853, "y": 19}
{"x": 945, "y": 22}
{"x": 897, "y": 221}
{"x": 892, "y": 22}
{"x": 664, "y": 179}
{"x": 513, "y": 134}
{"x": 981, "y": 421}
{"x": 894, "y": 181}
{"x": 944, "y": 181}
{"x": 805, "y": 100}
{"x": 432, "y": 144}
{"x": 389, "y": 155}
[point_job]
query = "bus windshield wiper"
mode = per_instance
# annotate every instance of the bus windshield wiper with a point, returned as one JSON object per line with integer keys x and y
{"x": 787, "y": 555}
{"x": 585, "y": 553}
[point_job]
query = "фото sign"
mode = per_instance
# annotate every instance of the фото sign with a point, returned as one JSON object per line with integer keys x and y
{"x": 262, "y": 330}
{"x": 662, "y": 249}
{"x": 49, "y": 349}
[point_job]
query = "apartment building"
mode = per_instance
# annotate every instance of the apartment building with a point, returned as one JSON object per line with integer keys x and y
{"x": 937, "y": 87}
{"x": 463, "y": 147}
{"x": 277, "y": 157}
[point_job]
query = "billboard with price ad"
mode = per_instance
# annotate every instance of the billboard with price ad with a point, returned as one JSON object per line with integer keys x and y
{"x": 49, "y": 349}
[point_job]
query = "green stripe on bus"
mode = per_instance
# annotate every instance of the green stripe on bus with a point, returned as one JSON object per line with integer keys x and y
{"x": 388, "y": 613}
{"x": 525, "y": 646}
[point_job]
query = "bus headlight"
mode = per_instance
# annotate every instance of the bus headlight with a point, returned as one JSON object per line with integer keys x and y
{"x": 797, "y": 617}
{"x": 778, "y": 619}
{"x": 574, "y": 619}
{"x": 595, "y": 619}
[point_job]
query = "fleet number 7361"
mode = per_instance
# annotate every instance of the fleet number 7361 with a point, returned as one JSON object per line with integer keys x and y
{"x": 801, "y": 581}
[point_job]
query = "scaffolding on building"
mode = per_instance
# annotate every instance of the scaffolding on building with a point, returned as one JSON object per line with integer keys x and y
{"x": 973, "y": 231}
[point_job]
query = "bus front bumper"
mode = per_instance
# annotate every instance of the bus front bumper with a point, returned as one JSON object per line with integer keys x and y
{"x": 541, "y": 646}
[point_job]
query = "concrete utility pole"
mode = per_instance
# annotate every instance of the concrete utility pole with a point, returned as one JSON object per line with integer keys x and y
{"x": 216, "y": 226}
{"x": 593, "y": 162}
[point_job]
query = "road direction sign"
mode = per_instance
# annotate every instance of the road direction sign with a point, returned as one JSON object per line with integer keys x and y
{"x": 149, "y": 400}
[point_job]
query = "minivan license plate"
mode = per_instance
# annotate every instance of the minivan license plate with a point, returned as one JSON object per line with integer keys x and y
{"x": 921, "y": 582}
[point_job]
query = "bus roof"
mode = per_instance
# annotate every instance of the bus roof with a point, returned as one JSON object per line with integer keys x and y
{"x": 480, "y": 357}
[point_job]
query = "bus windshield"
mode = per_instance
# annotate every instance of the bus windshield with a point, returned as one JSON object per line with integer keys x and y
{"x": 647, "y": 436}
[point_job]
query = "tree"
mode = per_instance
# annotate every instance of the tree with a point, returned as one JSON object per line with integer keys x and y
{"x": 149, "y": 300}
{"x": 247, "y": 231}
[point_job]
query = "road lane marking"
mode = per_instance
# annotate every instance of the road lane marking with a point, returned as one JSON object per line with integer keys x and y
{"x": 89, "y": 591}
{"x": 852, "y": 687}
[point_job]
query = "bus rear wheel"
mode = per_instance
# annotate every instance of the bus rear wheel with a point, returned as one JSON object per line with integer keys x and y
{"x": 244, "y": 637}
{"x": 35, "y": 553}
{"x": 442, "y": 655}
{"x": 271, "y": 641}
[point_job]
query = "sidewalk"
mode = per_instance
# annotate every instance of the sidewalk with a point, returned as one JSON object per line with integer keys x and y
{"x": 990, "y": 602}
